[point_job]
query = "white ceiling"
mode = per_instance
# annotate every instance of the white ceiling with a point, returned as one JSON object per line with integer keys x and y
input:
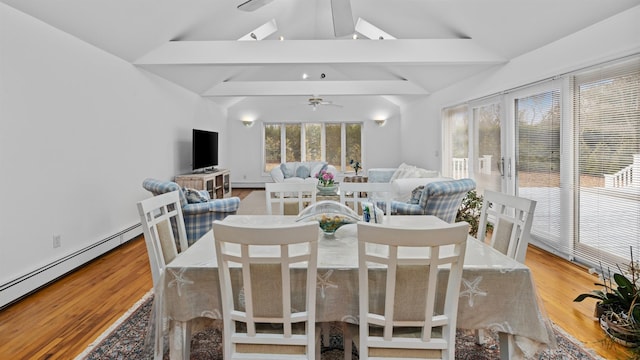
{"x": 194, "y": 42}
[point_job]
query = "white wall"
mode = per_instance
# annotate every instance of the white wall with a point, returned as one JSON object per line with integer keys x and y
{"x": 79, "y": 131}
{"x": 615, "y": 37}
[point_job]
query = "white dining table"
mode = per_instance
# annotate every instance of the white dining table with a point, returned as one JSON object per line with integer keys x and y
{"x": 497, "y": 292}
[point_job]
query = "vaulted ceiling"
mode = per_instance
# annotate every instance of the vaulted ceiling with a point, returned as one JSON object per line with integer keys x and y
{"x": 426, "y": 46}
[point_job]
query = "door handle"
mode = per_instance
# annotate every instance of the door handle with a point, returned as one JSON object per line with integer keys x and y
{"x": 501, "y": 166}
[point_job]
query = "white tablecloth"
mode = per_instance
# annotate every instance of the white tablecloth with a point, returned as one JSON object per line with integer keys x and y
{"x": 497, "y": 292}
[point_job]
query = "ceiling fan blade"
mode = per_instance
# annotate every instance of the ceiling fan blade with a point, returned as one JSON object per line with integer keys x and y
{"x": 342, "y": 18}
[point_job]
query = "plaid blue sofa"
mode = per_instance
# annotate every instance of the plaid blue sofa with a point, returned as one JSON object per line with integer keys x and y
{"x": 440, "y": 198}
{"x": 198, "y": 217}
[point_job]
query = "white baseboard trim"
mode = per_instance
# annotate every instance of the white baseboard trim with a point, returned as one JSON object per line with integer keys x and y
{"x": 24, "y": 285}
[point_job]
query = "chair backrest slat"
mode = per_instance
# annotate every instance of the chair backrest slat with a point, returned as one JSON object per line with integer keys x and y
{"x": 284, "y": 194}
{"x": 380, "y": 194}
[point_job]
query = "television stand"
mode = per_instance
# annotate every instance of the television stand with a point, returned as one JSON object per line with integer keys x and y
{"x": 215, "y": 181}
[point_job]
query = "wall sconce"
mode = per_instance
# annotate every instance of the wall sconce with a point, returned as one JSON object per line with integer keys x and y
{"x": 380, "y": 122}
{"x": 247, "y": 123}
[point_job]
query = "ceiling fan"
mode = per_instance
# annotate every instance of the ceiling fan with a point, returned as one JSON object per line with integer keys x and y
{"x": 316, "y": 101}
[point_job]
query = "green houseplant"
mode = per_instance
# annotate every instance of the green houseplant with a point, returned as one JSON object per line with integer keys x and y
{"x": 470, "y": 211}
{"x": 618, "y": 304}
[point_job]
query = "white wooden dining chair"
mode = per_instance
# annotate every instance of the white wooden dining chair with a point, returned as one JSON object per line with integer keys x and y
{"x": 352, "y": 194}
{"x": 511, "y": 218}
{"x": 165, "y": 236}
{"x": 409, "y": 321}
{"x": 268, "y": 298}
{"x": 289, "y": 198}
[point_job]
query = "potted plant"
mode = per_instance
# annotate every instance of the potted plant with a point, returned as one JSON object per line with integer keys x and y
{"x": 618, "y": 306}
{"x": 355, "y": 165}
{"x": 470, "y": 211}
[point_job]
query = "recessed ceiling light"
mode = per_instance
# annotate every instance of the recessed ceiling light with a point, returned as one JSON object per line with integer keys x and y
{"x": 305, "y": 76}
{"x": 281, "y": 38}
{"x": 355, "y": 36}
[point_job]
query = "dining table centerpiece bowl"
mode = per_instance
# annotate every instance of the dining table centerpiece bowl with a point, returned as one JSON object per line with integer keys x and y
{"x": 331, "y": 215}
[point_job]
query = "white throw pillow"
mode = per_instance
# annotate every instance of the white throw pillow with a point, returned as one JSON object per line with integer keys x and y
{"x": 424, "y": 173}
{"x": 402, "y": 171}
{"x": 317, "y": 168}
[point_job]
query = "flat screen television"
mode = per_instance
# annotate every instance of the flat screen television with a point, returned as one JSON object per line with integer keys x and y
{"x": 205, "y": 149}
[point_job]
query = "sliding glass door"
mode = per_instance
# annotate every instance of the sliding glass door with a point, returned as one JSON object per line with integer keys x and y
{"x": 572, "y": 144}
{"x": 607, "y": 141}
{"x": 488, "y": 142}
{"x": 537, "y": 175}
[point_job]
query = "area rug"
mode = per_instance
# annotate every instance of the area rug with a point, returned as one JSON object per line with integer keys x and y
{"x": 254, "y": 204}
{"x": 126, "y": 340}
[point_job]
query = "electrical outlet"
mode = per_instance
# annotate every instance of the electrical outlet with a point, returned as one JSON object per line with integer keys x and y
{"x": 57, "y": 241}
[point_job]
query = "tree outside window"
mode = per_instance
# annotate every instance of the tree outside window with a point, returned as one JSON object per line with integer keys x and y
{"x": 272, "y": 146}
{"x": 335, "y": 143}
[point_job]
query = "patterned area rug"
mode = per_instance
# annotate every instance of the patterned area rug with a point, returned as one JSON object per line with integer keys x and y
{"x": 126, "y": 340}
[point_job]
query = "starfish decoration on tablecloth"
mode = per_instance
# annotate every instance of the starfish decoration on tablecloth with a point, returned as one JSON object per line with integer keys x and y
{"x": 471, "y": 289}
{"x": 324, "y": 283}
{"x": 179, "y": 281}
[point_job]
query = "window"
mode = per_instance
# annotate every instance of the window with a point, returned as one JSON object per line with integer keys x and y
{"x": 272, "y": 146}
{"x": 335, "y": 143}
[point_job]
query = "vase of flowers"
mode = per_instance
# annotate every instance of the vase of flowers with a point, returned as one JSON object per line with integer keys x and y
{"x": 355, "y": 165}
{"x": 326, "y": 183}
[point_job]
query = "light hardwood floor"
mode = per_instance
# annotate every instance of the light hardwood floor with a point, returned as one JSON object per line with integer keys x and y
{"x": 62, "y": 319}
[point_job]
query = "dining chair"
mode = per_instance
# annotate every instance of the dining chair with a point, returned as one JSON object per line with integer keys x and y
{"x": 165, "y": 236}
{"x": 268, "y": 298}
{"x": 352, "y": 194}
{"x": 511, "y": 218}
{"x": 402, "y": 321}
{"x": 287, "y": 195}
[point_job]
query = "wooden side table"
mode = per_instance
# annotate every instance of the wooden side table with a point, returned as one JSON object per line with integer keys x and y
{"x": 358, "y": 178}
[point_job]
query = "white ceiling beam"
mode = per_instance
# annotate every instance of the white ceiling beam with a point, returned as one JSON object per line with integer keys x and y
{"x": 342, "y": 17}
{"x": 398, "y": 51}
{"x": 253, "y": 5}
{"x": 371, "y": 31}
{"x": 261, "y": 31}
{"x": 289, "y": 88}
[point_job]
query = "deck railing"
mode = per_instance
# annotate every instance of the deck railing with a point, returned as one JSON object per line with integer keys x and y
{"x": 625, "y": 177}
{"x": 461, "y": 166}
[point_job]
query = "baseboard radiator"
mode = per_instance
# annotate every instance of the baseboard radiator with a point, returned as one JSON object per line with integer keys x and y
{"x": 16, "y": 289}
